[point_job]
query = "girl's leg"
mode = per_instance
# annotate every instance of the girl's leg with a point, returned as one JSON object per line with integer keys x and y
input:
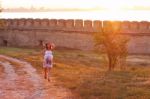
{"x": 48, "y": 76}
{"x": 45, "y": 73}
{"x": 49, "y": 68}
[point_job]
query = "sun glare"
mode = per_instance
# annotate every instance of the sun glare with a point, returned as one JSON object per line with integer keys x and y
{"x": 84, "y": 9}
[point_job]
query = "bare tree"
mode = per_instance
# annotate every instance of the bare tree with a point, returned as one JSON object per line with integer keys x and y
{"x": 114, "y": 44}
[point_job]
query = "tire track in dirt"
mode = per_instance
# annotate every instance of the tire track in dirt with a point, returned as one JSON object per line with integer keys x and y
{"x": 10, "y": 76}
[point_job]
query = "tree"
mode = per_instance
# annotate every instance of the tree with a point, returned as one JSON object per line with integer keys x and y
{"x": 111, "y": 42}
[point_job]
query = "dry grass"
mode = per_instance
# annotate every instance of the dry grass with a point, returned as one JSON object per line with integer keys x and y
{"x": 85, "y": 73}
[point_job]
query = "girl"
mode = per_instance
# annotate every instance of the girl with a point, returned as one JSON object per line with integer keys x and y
{"x": 48, "y": 60}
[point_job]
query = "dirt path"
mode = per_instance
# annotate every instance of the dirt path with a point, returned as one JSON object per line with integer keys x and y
{"x": 139, "y": 59}
{"x": 19, "y": 80}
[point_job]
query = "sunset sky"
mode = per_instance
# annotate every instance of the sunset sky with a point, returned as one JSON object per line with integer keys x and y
{"x": 133, "y": 10}
{"x": 86, "y": 4}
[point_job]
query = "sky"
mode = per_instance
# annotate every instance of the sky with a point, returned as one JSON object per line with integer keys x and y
{"x": 105, "y": 9}
{"x": 86, "y": 4}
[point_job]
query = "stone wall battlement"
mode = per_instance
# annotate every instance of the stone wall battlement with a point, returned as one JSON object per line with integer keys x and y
{"x": 61, "y": 24}
{"x": 133, "y": 27}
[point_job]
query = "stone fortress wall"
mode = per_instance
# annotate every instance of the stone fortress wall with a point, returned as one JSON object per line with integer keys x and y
{"x": 74, "y": 34}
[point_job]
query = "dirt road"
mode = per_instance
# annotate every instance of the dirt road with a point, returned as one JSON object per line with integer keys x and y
{"x": 19, "y": 80}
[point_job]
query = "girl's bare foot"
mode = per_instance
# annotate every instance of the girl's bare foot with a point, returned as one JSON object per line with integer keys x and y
{"x": 45, "y": 77}
{"x": 49, "y": 79}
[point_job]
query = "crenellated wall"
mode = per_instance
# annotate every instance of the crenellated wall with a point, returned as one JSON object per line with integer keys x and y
{"x": 72, "y": 33}
{"x": 78, "y": 25}
{"x": 53, "y": 24}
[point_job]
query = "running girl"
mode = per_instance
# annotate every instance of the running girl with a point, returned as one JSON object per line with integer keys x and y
{"x": 48, "y": 60}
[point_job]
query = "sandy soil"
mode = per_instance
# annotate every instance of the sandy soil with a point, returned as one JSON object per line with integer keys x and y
{"x": 21, "y": 81}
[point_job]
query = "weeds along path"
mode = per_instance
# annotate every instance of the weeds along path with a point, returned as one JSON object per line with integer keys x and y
{"x": 19, "y": 80}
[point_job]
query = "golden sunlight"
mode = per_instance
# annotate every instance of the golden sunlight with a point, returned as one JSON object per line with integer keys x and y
{"x": 83, "y": 9}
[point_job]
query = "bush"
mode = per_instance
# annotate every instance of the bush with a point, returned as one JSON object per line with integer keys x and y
{"x": 112, "y": 43}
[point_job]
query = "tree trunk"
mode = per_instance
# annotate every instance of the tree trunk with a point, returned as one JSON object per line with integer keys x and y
{"x": 110, "y": 62}
{"x": 114, "y": 61}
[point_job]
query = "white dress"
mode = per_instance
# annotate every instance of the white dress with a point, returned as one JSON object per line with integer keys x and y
{"x": 48, "y": 57}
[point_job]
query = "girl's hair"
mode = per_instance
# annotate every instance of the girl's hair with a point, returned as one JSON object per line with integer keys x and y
{"x": 47, "y": 47}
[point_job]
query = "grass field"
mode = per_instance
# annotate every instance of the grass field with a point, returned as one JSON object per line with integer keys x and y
{"x": 85, "y": 73}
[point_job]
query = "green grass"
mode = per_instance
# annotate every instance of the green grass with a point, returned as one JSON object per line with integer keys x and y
{"x": 85, "y": 73}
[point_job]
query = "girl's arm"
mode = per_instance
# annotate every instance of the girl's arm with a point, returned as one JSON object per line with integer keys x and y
{"x": 52, "y": 46}
{"x": 43, "y": 52}
{"x": 52, "y": 61}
